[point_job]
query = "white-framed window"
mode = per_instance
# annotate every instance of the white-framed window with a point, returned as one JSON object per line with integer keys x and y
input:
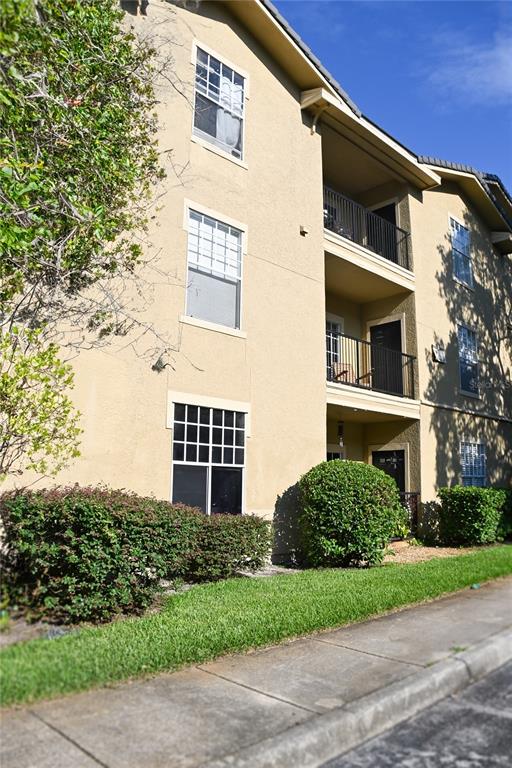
{"x": 336, "y": 452}
{"x": 208, "y": 458}
{"x": 214, "y": 275}
{"x": 333, "y": 331}
{"x": 468, "y": 359}
{"x": 473, "y": 462}
{"x": 461, "y": 254}
{"x": 219, "y": 104}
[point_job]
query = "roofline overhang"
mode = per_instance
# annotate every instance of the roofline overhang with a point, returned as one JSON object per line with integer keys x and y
{"x": 473, "y": 186}
{"x": 370, "y": 137}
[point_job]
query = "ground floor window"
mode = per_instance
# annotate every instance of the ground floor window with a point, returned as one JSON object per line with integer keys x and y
{"x": 473, "y": 461}
{"x": 208, "y": 458}
{"x": 336, "y": 452}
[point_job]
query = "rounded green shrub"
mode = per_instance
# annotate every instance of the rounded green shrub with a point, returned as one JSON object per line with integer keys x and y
{"x": 349, "y": 511}
{"x": 470, "y": 515}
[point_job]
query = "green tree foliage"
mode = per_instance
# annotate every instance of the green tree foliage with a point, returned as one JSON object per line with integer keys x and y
{"x": 78, "y": 159}
{"x": 38, "y": 425}
{"x": 77, "y": 156}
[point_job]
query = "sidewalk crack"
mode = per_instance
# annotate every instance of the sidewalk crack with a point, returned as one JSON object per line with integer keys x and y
{"x": 258, "y": 690}
{"x": 370, "y": 653}
{"x": 69, "y": 739}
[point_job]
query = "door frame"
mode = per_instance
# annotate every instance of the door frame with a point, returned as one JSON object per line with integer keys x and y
{"x": 390, "y": 201}
{"x": 394, "y": 447}
{"x": 390, "y": 319}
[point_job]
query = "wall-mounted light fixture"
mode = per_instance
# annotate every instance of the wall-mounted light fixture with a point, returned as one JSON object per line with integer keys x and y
{"x": 340, "y": 433}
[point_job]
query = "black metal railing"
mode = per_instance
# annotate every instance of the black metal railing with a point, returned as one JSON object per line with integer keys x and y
{"x": 355, "y": 222}
{"x": 360, "y": 363}
{"x": 411, "y": 502}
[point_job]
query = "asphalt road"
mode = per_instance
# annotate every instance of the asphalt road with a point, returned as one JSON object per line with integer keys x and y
{"x": 470, "y": 730}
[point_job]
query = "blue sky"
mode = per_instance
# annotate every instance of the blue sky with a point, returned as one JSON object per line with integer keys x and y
{"x": 437, "y": 75}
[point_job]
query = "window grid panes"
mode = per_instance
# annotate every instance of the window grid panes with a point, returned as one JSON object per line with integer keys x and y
{"x": 208, "y": 458}
{"x": 214, "y": 247}
{"x": 473, "y": 461}
{"x": 214, "y": 276}
{"x": 468, "y": 359}
{"x": 219, "y": 103}
{"x": 461, "y": 252}
{"x": 208, "y": 436}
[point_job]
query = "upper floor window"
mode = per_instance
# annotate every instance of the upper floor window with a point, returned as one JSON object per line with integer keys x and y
{"x": 473, "y": 461}
{"x": 468, "y": 359}
{"x": 462, "y": 268}
{"x": 219, "y": 104}
{"x": 214, "y": 273}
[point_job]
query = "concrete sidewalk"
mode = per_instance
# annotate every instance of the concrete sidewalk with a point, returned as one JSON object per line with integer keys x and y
{"x": 273, "y": 707}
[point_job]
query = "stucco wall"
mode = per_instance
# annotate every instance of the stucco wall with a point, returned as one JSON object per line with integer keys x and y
{"x": 279, "y": 367}
{"x": 441, "y": 304}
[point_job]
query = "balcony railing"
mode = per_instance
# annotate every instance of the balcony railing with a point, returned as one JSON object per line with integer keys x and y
{"x": 359, "y": 363}
{"x": 355, "y": 222}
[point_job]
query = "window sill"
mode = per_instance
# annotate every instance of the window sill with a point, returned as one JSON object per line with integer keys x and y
{"x": 217, "y": 151}
{"x": 472, "y": 395}
{"x": 212, "y": 326}
{"x": 463, "y": 284}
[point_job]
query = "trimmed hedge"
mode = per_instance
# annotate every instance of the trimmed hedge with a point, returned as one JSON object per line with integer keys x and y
{"x": 227, "y": 544}
{"x": 470, "y": 515}
{"x": 349, "y": 511}
{"x": 85, "y": 554}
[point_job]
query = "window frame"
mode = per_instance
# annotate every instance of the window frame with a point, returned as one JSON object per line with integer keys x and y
{"x": 335, "y": 448}
{"x": 200, "y": 137}
{"x": 468, "y": 392}
{"x": 472, "y": 443}
{"x": 453, "y": 220}
{"x": 188, "y": 206}
{"x": 210, "y": 464}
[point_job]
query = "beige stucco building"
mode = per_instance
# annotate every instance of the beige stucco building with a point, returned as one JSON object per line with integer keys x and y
{"x": 325, "y": 291}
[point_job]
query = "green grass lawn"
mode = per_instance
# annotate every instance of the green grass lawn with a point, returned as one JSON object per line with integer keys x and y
{"x": 232, "y": 615}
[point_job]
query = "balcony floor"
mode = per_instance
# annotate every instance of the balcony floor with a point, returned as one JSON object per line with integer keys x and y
{"x": 356, "y": 273}
{"x": 368, "y": 405}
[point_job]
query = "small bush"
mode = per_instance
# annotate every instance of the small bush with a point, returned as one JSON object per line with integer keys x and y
{"x": 85, "y": 554}
{"x": 349, "y": 511}
{"x": 227, "y": 544}
{"x": 469, "y": 515}
{"x": 80, "y": 554}
{"x": 505, "y": 524}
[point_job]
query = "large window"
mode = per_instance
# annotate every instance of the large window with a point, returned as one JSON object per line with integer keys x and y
{"x": 219, "y": 104}
{"x": 468, "y": 360}
{"x": 214, "y": 270}
{"x": 462, "y": 268}
{"x": 472, "y": 458}
{"x": 208, "y": 458}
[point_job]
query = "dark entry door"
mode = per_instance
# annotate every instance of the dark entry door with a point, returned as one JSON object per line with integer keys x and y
{"x": 386, "y": 340}
{"x": 393, "y": 464}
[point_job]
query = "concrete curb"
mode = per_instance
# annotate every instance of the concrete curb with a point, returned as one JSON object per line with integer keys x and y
{"x": 325, "y": 736}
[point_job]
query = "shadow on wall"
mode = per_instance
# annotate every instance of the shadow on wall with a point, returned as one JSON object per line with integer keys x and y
{"x": 286, "y": 527}
{"x": 486, "y": 308}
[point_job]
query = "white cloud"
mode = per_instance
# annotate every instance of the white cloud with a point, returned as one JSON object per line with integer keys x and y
{"x": 475, "y": 73}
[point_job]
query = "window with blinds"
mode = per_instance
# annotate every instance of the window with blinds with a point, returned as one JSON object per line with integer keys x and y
{"x": 214, "y": 275}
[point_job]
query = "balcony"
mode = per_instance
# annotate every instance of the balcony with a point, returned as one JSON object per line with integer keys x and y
{"x": 357, "y": 363}
{"x": 356, "y": 223}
